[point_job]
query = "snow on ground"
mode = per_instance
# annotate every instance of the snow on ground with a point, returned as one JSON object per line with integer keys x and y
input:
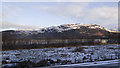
{"x": 63, "y": 55}
{"x": 91, "y": 63}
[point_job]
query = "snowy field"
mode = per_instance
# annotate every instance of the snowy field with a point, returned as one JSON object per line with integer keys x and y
{"x": 60, "y": 56}
{"x": 96, "y": 63}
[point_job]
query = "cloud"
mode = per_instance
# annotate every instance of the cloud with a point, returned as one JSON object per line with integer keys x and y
{"x": 102, "y": 15}
{"x": 106, "y": 16}
{"x": 10, "y": 11}
{"x": 8, "y": 25}
{"x": 63, "y": 9}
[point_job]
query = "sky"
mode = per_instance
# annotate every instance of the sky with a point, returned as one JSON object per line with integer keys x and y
{"x": 35, "y": 15}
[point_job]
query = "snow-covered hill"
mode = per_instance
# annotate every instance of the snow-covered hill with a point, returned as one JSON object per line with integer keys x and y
{"x": 67, "y": 31}
{"x": 66, "y": 27}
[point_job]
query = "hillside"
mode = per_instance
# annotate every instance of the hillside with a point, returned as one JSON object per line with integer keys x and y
{"x": 65, "y": 31}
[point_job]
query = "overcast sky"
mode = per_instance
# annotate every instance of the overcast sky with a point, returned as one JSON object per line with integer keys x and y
{"x": 34, "y": 15}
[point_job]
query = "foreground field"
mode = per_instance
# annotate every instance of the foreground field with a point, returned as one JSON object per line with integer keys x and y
{"x": 59, "y": 56}
{"x": 96, "y": 64}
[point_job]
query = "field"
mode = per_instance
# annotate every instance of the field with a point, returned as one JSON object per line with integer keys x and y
{"x": 59, "y": 56}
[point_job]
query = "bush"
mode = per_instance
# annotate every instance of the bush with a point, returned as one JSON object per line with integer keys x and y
{"x": 81, "y": 49}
